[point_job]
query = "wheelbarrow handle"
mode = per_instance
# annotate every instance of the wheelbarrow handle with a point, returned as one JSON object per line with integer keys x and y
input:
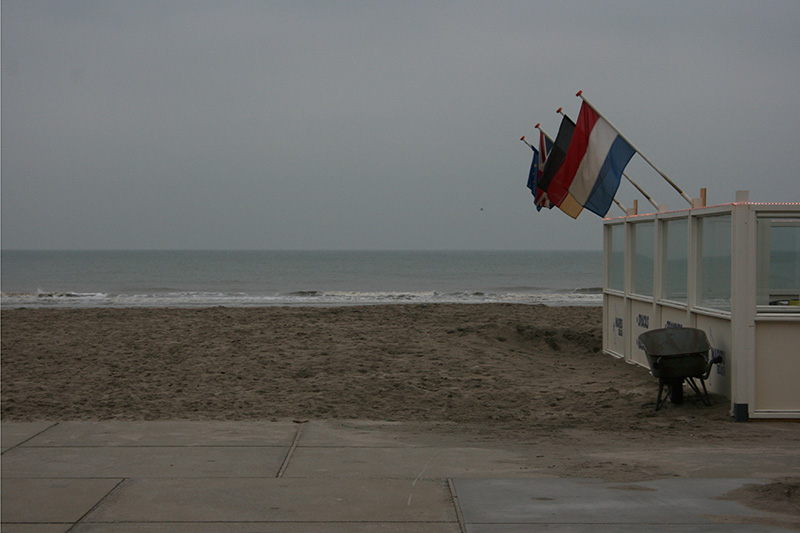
{"x": 714, "y": 360}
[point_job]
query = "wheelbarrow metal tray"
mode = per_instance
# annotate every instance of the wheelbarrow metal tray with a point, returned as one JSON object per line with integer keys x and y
{"x": 678, "y": 366}
{"x": 676, "y": 352}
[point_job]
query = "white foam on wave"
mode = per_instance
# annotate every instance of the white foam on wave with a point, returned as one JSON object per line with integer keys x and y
{"x": 299, "y": 298}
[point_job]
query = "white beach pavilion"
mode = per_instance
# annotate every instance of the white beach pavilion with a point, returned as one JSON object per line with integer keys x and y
{"x": 731, "y": 270}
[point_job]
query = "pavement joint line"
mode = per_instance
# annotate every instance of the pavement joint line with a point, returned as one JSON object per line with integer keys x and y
{"x": 182, "y": 478}
{"x": 457, "y": 506}
{"x": 31, "y": 437}
{"x": 270, "y": 522}
{"x": 115, "y": 446}
{"x": 544, "y": 522}
{"x": 96, "y": 505}
{"x": 289, "y": 454}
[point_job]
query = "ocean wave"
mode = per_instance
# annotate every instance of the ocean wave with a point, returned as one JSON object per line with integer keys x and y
{"x": 54, "y": 296}
{"x": 588, "y": 290}
{"x": 305, "y": 294}
{"x": 295, "y": 298}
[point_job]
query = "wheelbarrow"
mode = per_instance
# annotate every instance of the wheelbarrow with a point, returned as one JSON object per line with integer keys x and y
{"x": 676, "y": 355}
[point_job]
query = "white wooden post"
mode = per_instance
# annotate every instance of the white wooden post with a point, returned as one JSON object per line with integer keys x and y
{"x": 743, "y": 305}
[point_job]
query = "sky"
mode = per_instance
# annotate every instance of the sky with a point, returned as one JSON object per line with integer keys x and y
{"x": 372, "y": 124}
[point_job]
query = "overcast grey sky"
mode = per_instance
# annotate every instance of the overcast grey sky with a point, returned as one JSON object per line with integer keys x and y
{"x": 375, "y": 125}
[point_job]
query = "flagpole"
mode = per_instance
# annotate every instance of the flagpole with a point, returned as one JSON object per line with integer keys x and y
{"x": 523, "y": 139}
{"x": 649, "y": 199}
{"x": 552, "y": 141}
{"x": 674, "y": 186}
{"x": 653, "y": 202}
{"x": 543, "y": 133}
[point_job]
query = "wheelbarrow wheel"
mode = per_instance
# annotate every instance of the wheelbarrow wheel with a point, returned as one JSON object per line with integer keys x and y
{"x": 676, "y": 392}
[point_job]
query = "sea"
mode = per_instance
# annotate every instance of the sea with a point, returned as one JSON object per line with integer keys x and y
{"x": 79, "y": 279}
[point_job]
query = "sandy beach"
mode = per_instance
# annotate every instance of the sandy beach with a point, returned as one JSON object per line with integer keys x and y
{"x": 513, "y": 375}
{"x": 530, "y": 366}
{"x": 515, "y": 368}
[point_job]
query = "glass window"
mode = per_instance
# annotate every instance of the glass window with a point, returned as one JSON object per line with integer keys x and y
{"x": 616, "y": 260}
{"x": 676, "y": 260}
{"x": 715, "y": 262}
{"x": 779, "y": 262}
{"x": 643, "y": 257}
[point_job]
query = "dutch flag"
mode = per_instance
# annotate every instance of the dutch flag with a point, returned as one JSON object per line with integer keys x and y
{"x": 593, "y": 167}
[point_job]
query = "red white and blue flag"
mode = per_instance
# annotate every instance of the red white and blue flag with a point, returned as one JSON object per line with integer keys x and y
{"x": 593, "y": 166}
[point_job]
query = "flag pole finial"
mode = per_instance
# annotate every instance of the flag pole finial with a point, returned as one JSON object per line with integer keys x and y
{"x": 579, "y": 92}
{"x": 522, "y": 138}
{"x": 559, "y": 110}
{"x": 537, "y": 125}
